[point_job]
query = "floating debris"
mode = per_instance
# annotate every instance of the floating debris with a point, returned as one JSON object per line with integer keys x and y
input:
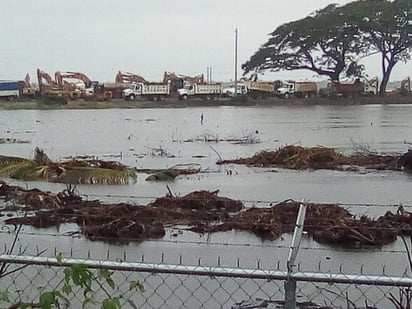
{"x": 298, "y": 158}
{"x": 201, "y": 212}
{"x": 8, "y": 140}
{"x": 170, "y": 173}
{"x": 208, "y": 137}
{"x": 73, "y": 171}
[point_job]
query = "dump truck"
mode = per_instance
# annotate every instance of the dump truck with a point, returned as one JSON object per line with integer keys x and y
{"x": 298, "y": 89}
{"x": 336, "y": 88}
{"x": 9, "y": 89}
{"x": 229, "y": 90}
{"x": 204, "y": 91}
{"x": 150, "y": 91}
{"x": 262, "y": 89}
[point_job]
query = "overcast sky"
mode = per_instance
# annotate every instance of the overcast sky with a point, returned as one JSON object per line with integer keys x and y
{"x": 147, "y": 37}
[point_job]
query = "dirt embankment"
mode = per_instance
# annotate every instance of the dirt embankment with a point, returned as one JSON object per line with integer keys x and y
{"x": 200, "y": 212}
{"x": 175, "y": 103}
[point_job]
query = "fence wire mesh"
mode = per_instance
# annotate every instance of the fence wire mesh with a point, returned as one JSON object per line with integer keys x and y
{"x": 25, "y": 278}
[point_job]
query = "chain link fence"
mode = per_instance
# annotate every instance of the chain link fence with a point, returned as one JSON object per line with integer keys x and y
{"x": 24, "y": 279}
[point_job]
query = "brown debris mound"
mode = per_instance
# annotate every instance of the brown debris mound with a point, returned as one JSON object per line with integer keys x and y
{"x": 202, "y": 212}
{"x": 298, "y": 157}
{"x": 115, "y": 221}
{"x": 326, "y": 223}
{"x": 197, "y": 206}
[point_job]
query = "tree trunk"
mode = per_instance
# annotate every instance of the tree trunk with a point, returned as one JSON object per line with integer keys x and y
{"x": 386, "y": 72}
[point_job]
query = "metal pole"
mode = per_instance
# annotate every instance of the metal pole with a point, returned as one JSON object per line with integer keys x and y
{"x": 290, "y": 283}
{"x": 236, "y": 62}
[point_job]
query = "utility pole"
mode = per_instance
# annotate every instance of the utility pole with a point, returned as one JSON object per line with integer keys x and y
{"x": 236, "y": 62}
{"x": 209, "y": 75}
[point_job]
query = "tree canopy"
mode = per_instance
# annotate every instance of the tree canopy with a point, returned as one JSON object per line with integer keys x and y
{"x": 387, "y": 27}
{"x": 331, "y": 41}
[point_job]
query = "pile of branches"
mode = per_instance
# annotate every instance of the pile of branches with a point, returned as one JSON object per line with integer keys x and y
{"x": 298, "y": 158}
{"x": 201, "y": 212}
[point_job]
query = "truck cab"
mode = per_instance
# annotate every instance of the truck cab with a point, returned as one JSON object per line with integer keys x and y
{"x": 286, "y": 90}
{"x": 229, "y": 91}
{"x": 9, "y": 90}
{"x": 186, "y": 91}
{"x": 132, "y": 92}
{"x": 299, "y": 89}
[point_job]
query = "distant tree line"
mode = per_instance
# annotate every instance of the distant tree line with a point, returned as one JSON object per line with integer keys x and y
{"x": 333, "y": 40}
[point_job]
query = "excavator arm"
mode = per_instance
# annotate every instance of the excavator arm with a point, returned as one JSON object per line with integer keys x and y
{"x": 128, "y": 78}
{"x": 169, "y": 76}
{"x": 61, "y": 79}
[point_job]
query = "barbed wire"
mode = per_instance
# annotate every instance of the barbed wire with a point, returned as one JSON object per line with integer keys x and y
{"x": 268, "y": 202}
{"x": 177, "y": 225}
{"x": 114, "y": 241}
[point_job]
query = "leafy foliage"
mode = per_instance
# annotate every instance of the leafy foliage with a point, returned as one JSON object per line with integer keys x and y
{"x": 323, "y": 43}
{"x": 48, "y": 299}
{"x": 387, "y": 27}
{"x": 331, "y": 41}
{"x": 79, "y": 276}
{"x": 70, "y": 172}
{"x": 92, "y": 175}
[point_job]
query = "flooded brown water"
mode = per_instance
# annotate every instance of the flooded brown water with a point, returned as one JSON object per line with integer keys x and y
{"x": 160, "y": 138}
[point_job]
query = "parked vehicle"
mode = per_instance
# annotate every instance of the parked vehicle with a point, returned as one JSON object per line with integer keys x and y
{"x": 77, "y": 83}
{"x": 298, "y": 89}
{"x": 336, "y": 88}
{"x": 178, "y": 81}
{"x": 262, "y": 89}
{"x": 151, "y": 91}
{"x": 229, "y": 91}
{"x": 51, "y": 89}
{"x": 9, "y": 89}
{"x": 204, "y": 91}
{"x": 371, "y": 87}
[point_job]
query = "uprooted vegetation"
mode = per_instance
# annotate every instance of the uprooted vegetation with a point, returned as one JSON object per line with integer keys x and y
{"x": 84, "y": 170}
{"x": 200, "y": 212}
{"x": 298, "y": 157}
{"x": 74, "y": 171}
{"x": 88, "y": 170}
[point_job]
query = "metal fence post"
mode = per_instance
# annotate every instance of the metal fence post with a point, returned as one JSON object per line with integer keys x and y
{"x": 290, "y": 284}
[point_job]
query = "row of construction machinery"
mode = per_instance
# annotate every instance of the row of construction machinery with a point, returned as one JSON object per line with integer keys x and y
{"x": 73, "y": 85}
{"x": 77, "y": 85}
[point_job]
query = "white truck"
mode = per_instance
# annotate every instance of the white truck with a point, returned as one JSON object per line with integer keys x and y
{"x": 229, "y": 90}
{"x": 151, "y": 91}
{"x": 298, "y": 89}
{"x": 204, "y": 91}
{"x": 9, "y": 89}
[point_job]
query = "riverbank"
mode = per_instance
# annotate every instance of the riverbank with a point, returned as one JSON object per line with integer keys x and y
{"x": 175, "y": 103}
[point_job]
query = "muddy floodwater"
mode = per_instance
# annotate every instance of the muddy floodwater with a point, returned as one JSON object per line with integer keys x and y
{"x": 161, "y": 138}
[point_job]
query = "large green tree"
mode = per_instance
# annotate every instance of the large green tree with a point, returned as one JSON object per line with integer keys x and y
{"x": 324, "y": 43}
{"x": 332, "y": 41}
{"x": 387, "y": 27}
